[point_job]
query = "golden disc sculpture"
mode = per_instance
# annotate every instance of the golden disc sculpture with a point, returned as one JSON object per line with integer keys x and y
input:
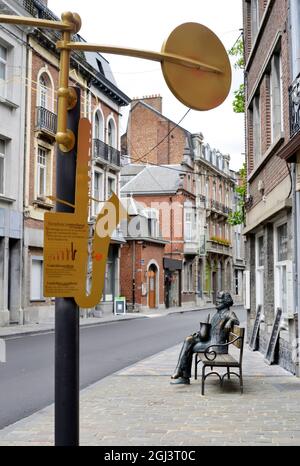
{"x": 199, "y": 89}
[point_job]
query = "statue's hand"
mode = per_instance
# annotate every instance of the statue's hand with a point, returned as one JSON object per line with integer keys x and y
{"x": 231, "y": 323}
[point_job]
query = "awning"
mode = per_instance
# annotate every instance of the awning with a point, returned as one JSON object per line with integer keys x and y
{"x": 172, "y": 264}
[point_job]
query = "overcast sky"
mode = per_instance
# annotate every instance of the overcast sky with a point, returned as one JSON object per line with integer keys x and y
{"x": 145, "y": 25}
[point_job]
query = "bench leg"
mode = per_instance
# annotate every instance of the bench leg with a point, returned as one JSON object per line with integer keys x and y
{"x": 241, "y": 381}
{"x": 203, "y": 379}
{"x": 196, "y": 366}
{"x": 228, "y": 373}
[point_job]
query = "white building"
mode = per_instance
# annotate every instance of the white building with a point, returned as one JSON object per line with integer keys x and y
{"x": 12, "y": 118}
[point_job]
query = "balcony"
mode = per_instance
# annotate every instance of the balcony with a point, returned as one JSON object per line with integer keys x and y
{"x": 46, "y": 121}
{"x": 215, "y": 247}
{"x": 106, "y": 153}
{"x": 30, "y": 7}
{"x": 191, "y": 248}
{"x": 294, "y": 92}
{"x": 218, "y": 208}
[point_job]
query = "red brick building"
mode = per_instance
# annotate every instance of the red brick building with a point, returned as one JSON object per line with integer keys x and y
{"x": 142, "y": 267}
{"x": 207, "y": 258}
{"x": 166, "y": 192}
{"x": 269, "y": 229}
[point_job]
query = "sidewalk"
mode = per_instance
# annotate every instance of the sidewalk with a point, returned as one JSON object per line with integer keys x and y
{"x": 138, "y": 406}
{"x": 31, "y": 329}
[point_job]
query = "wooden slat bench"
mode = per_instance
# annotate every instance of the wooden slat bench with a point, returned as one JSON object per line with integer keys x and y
{"x": 211, "y": 358}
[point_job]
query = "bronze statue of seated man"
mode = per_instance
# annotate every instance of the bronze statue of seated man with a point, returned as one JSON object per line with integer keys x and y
{"x": 221, "y": 324}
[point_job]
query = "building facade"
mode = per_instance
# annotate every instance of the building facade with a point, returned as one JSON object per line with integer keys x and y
{"x": 101, "y": 101}
{"x": 208, "y": 264}
{"x": 12, "y": 129}
{"x": 269, "y": 230}
{"x": 142, "y": 258}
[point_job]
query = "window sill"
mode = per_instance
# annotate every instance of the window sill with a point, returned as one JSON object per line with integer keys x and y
{"x": 43, "y": 204}
{"x": 8, "y": 103}
{"x": 7, "y": 200}
{"x": 270, "y": 152}
{"x": 38, "y": 301}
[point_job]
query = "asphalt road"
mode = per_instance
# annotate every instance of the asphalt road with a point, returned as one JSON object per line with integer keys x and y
{"x": 27, "y": 380}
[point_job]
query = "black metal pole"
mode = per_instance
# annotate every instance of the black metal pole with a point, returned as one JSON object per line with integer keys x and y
{"x": 67, "y": 312}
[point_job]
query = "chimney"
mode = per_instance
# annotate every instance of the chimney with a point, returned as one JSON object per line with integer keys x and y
{"x": 154, "y": 101}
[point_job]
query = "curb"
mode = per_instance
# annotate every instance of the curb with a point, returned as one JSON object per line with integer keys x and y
{"x": 52, "y": 329}
{"x": 96, "y": 324}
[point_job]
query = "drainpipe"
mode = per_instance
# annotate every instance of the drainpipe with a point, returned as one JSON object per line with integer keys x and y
{"x": 296, "y": 221}
{"x": 133, "y": 275}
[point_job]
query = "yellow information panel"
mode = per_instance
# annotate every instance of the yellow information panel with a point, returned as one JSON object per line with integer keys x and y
{"x": 66, "y": 238}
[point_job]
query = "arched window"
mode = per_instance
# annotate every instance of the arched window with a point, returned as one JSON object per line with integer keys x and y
{"x": 214, "y": 192}
{"x": 227, "y": 198}
{"x": 112, "y": 133}
{"x": 220, "y": 194}
{"x": 45, "y": 92}
{"x": 98, "y": 126}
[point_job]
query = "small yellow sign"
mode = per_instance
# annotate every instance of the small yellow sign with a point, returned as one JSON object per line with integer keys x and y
{"x": 66, "y": 238}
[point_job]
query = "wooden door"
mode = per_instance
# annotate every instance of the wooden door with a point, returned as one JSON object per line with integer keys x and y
{"x": 152, "y": 289}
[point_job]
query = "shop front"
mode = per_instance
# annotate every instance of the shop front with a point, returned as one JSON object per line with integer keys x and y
{"x": 173, "y": 282}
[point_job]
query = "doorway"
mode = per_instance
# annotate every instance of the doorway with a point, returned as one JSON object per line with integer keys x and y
{"x": 152, "y": 286}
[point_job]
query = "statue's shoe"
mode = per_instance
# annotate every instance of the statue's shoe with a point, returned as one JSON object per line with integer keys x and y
{"x": 176, "y": 375}
{"x": 180, "y": 381}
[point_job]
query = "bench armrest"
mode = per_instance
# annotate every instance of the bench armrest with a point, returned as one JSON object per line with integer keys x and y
{"x": 211, "y": 354}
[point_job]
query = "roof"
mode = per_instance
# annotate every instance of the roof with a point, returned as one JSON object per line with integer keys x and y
{"x": 155, "y": 180}
{"x": 130, "y": 171}
{"x": 93, "y": 64}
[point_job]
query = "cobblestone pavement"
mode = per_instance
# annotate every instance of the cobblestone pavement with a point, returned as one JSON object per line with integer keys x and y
{"x": 138, "y": 406}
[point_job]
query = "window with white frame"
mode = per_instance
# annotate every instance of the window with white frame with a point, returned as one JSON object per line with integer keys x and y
{"x": 45, "y": 92}
{"x": 97, "y": 192}
{"x": 111, "y": 186}
{"x": 3, "y": 70}
{"x": 214, "y": 229}
{"x": 227, "y": 199}
{"x": 36, "y": 279}
{"x": 283, "y": 270}
{"x": 2, "y": 165}
{"x": 189, "y": 224}
{"x": 260, "y": 261}
{"x": 238, "y": 239}
{"x": 220, "y": 194}
{"x": 98, "y": 126}
{"x": 42, "y": 155}
{"x": 214, "y": 194}
{"x": 276, "y": 97}
{"x": 112, "y": 134}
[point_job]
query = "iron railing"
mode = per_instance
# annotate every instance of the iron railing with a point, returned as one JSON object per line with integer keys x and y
{"x": 294, "y": 93}
{"x": 30, "y": 7}
{"x": 219, "y": 207}
{"x": 46, "y": 120}
{"x": 105, "y": 152}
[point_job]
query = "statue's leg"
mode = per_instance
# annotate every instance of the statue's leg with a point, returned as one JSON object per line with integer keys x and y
{"x": 184, "y": 365}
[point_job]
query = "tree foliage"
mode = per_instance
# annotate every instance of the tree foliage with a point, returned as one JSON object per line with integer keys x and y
{"x": 239, "y": 216}
{"x": 237, "y": 51}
